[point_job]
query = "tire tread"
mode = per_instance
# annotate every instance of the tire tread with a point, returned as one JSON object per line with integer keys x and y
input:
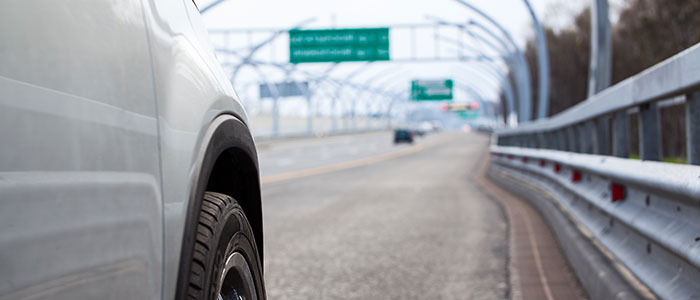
{"x": 213, "y": 209}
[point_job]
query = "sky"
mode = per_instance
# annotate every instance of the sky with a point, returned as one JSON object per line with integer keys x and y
{"x": 279, "y": 14}
{"x": 242, "y": 15}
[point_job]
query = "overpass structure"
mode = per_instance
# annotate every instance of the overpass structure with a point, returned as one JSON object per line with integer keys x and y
{"x": 389, "y": 97}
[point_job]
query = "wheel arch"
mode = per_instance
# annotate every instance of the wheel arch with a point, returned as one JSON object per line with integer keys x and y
{"x": 226, "y": 163}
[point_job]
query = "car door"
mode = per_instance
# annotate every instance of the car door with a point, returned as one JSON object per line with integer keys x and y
{"x": 80, "y": 203}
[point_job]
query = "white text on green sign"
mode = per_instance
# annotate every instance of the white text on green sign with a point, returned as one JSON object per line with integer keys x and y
{"x": 431, "y": 90}
{"x": 338, "y": 45}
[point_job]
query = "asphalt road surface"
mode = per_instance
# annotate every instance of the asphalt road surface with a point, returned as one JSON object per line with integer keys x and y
{"x": 356, "y": 217}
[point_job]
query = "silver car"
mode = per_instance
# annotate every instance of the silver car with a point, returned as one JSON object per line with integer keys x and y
{"x": 127, "y": 167}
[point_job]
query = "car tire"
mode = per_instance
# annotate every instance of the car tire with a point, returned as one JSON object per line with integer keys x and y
{"x": 225, "y": 262}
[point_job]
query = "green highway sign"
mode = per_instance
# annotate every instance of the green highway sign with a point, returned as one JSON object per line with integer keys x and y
{"x": 431, "y": 90}
{"x": 468, "y": 115}
{"x": 338, "y": 45}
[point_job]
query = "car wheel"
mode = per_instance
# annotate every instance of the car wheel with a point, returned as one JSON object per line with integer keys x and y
{"x": 225, "y": 261}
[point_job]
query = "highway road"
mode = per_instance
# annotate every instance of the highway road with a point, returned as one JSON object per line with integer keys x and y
{"x": 355, "y": 217}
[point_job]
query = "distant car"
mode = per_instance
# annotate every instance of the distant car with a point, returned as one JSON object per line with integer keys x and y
{"x": 426, "y": 127}
{"x": 127, "y": 166}
{"x": 437, "y": 126}
{"x": 403, "y": 135}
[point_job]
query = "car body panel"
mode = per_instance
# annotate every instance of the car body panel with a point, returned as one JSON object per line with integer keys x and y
{"x": 79, "y": 164}
{"x": 190, "y": 94}
{"x": 97, "y": 100}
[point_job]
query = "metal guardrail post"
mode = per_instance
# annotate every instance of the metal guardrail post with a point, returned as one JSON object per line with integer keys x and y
{"x": 649, "y": 146}
{"x": 582, "y": 137}
{"x": 620, "y": 134}
{"x": 563, "y": 140}
{"x": 692, "y": 121}
{"x": 544, "y": 138}
{"x": 602, "y": 136}
{"x": 588, "y": 137}
{"x": 572, "y": 141}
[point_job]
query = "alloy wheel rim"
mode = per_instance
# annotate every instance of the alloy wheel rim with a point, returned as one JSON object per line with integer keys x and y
{"x": 236, "y": 280}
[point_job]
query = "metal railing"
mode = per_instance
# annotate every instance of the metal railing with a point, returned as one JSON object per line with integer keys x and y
{"x": 645, "y": 212}
{"x": 599, "y": 125}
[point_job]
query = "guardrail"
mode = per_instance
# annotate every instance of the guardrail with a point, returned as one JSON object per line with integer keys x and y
{"x": 646, "y": 213}
{"x": 586, "y": 127}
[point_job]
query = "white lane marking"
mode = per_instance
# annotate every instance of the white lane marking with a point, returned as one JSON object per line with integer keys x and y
{"x": 536, "y": 254}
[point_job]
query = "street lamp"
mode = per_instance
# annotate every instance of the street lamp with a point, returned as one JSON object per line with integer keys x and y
{"x": 514, "y": 59}
{"x": 524, "y": 110}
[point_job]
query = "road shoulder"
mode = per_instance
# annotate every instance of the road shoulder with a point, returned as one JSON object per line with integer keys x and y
{"x": 537, "y": 267}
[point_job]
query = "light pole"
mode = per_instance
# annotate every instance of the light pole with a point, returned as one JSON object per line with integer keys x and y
{"x": 251, "y": 52}
{"x": 334, "y": 122}
{"x": 523, "y": 73}
{"x": 473, "y": 90}
{"x": 384, "y": 73}
{"x": 308, "y": 95}
{"x": 520, "y": 68}
{"x": 543, "y": 65}
{"x": 210, "y": 5}
{"x": 492, "y": 69}
{"x": 514, "y": 59}
{"x": 601, "y": 48}
{"x": 388, "y": 75}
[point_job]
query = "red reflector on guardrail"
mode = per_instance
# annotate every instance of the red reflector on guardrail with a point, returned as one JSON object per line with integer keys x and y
{"x": 525, "y": 159}
{"x": 557, "y": 168}
{"x": 542, "y": 163}
{"x": 617, "y": 191}
{"x": 575, "y": 176}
